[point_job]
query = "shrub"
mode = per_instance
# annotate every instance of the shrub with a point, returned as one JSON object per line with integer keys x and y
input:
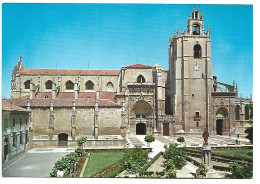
{"x": 53, "y": 172}
{"x": 81, "y": 141}
{"x": 241, "y": 171}
{"x": 202, "y": 170}
{"x": 250, "y": 153}
{"x": 170, "y": 173}
{"x": 180, "y": 139}
{"x": 149, "y": 138}
{"x": 79, "y": 151}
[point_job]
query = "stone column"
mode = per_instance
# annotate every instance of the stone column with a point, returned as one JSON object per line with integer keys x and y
{"x": 32, "y": 90}
{"x": 53, "y": 91}
{"x": 73, "y": 119}
{"x": 123, "y": 125}
{"x": 76, "y": 91}
{"x": 96, "y": 120}
{"x": 51, "y": 120}
{"x": 206, "y": 157}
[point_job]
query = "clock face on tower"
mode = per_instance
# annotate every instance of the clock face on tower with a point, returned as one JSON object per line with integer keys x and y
{"x": 196, "y": 67}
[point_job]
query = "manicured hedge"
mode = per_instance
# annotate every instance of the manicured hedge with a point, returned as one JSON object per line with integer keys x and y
{"x": 221, "y": 168}
{"x": 218, "y": 157}
{"x": 115, "y": 172}
{"x": 195, "y": 162}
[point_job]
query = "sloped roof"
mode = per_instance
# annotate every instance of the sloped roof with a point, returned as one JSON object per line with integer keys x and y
{"x": 6, "y": 106}
{"x": 27, "y": 71}
{"x": 67, "y": 102}
{"x": 139, "y": 66}
{"x": 70, "y": 95}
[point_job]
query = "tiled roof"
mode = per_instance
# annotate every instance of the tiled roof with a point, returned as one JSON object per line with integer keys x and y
{"x": 43, "y": 95}
{"x": 67, "y": 102}
{"x": 28, "y": 71}
{"x": 139, "y": 66}
{"x": 6, "y": 106}
{"x": 85, "y": 95}
{"x": 108, "y": 95}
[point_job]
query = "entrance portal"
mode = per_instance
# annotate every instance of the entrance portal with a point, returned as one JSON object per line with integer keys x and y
{"x": 140, "y": 129}
{"x": 63, "y": 140}
{"x": 166, "y": 129}
{"x": 219, "y": 126}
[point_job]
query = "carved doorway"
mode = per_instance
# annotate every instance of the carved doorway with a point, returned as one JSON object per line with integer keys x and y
{"x": 63, "y": 140}
{"x": 140, "y": 129}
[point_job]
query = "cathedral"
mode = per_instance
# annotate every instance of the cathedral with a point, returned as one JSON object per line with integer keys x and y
{"x": 107, "y": 106}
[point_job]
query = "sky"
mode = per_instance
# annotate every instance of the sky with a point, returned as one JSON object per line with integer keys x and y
{"x": 109, "y": 36}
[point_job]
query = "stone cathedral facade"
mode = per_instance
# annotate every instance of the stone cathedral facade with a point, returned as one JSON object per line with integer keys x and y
{"x": 109, "y": 105}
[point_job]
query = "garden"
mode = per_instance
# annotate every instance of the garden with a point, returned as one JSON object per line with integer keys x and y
{"x": 135, "y": 162}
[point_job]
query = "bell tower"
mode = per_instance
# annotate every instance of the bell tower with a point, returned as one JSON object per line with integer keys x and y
{"x": 190, "y": 70}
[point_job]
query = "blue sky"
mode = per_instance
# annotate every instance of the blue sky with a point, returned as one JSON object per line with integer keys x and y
{"x": 109, "y": 36}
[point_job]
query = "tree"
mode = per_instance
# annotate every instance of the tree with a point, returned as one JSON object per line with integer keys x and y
{"x": 174, "y": 156}
{"x": 135, "y": 160}
{"x": 81, "y": 141}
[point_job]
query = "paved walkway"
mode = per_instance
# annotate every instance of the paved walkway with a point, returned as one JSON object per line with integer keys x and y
{"x": 34, "y": 163}
{"x": 157, "y": 165}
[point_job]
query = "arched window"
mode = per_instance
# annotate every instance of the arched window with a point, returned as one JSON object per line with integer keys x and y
{"x": 89, "y": 85}
{"x": 196, "y": 29}
{"x": 110, "y": 86}
{"x": 140, "y": 79}
{"x": 69, "y": 85}
{"x": 27, "y": 84}
{"x": 48, "y": 84}
{"x": 197, "y": 51}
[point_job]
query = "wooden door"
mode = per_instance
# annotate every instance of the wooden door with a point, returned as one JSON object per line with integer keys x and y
{"x": 166, "y": 129}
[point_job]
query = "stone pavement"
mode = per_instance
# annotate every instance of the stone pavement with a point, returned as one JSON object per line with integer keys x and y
{"x": 34, "y": 163}
{"x": 157, "y": 165}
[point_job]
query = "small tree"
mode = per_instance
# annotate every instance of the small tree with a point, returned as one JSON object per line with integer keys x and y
{"x": 81, "y": 141}
{"x": 170, "y": 173}
{"x": 174, "y": 157}
{"x": 202, "y": 171}
{"x": 79, "y": 151}
{"x": 149, "y": 139}
{"x": 135, "y": 160}
{"x": 181, "y": 139}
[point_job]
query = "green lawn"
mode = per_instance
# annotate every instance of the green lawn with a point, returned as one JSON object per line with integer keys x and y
{"x": 101, "y": 160}
{"x": 233, "y": 152}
